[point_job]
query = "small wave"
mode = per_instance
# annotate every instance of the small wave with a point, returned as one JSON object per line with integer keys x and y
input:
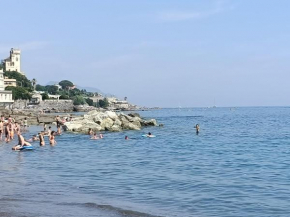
{"x": 120, "y": 211}
{"x": 10, "y": 199}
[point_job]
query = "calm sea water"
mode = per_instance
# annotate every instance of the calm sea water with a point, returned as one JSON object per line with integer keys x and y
{"x": 239, "y": 165}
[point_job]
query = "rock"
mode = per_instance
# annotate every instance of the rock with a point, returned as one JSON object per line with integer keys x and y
{"x": 46, "y": 119}
{"x": 116, "y": 128}
{"x": 134, "y": 115}
{"x": 117, "y": 122}
{"x": 110, "y": 121}
{"x": 125, "y": 116}
{"x": 151, "y": 122}
{"x": 130, "y": 126}
{"x": 112, "y": 115}
{"x": 82, "y": 126}
{"x": 107, "y": 124}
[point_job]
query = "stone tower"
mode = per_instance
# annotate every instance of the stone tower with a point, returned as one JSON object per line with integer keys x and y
{"x": 13, "y": 62}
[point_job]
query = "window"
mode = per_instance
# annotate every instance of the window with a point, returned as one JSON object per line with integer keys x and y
{"x": 16, "y": 58}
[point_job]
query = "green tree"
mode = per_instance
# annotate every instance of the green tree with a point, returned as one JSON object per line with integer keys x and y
{"x": 44, "y": 96}
{"x": 79, "y": 100}
{"x": 19, "y": 92}
{"x": 21, "y": 80}
{"x": 51, "y": 89}
{"x": 75, "y": 92}
{"x": 90, "y": 102}
{"x": 64, "y": 97}
{"x": 104, "y": 103}
{"x": 65, "y": 84}
{"x": 39, "y": 87}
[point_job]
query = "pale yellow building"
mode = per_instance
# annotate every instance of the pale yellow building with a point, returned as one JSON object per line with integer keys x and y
{"x": 9, "y": 82}
{"x": 5, "y": 95}
{"x": 13, "y": 62}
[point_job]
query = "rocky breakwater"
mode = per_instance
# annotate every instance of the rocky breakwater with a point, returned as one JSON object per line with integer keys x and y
{"x": 108, "y": 121}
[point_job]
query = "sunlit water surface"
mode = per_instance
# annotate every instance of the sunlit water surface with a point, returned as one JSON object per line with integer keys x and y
{"x": 239, "y": 165}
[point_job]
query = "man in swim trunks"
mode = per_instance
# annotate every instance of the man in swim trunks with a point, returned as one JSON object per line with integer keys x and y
{"x": 41, "y": 139}
{"x": 21, "y": 142}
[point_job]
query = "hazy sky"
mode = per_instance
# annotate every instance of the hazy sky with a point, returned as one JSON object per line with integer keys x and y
{"x": 164, "y": 53}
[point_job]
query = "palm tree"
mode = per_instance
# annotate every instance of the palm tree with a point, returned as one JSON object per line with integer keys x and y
{"x": 33, "y": 81}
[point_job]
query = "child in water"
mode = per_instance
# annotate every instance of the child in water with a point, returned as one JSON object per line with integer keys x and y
{"x": 95, "y": 136}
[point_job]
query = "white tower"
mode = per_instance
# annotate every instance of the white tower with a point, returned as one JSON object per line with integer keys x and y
{"x": 12, "y": 63}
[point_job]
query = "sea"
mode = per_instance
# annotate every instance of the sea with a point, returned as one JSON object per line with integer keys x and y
{"x": 238, "y": 165}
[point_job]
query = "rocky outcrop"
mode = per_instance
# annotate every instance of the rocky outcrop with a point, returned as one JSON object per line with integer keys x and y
{"x": 108, "y": 121}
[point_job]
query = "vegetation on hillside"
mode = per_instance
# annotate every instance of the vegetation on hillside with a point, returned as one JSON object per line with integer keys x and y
{"x": 19, "y": 93}
{"x": 25, "y": 88}
{"x": 21, "y": 80}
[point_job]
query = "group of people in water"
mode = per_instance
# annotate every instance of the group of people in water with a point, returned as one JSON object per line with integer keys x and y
{"x": 94, "y": 135}
{"x": 9, "y": 128}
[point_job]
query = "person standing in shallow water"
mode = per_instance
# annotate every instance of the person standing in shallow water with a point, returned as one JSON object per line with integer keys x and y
{"x": 197, "y": 128}
{"x": 41, "y": 139}
{"x": 52, "y": 138}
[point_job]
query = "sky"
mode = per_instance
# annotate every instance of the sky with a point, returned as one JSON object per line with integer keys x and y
{"x": 166, "y": 53}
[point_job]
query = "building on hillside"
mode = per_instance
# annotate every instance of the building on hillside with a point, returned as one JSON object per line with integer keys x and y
{"x": 9, "y": 82}
{"x": 36, "y": 98}
{"x": 58, "y": 86}
{"x": 53, "y": 96}
{"x": 13, "y": 63}
{"x": 121, "y": 104}
{"x": 5, "y": 95}
{"x": 96, "y": 99}
{"x": 72, "y": 87}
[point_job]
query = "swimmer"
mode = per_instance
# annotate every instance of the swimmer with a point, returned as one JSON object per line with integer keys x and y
{"x": 12, "y": 129}
{"x": 41, "y": 139}
{"x": 33, "y": 139}
{"x": 126, "y": 137}
{"x": 150, "y": 135}
{"x": 95, "y": 136}
{"x": 1, "y": 129}
{"x": 101, "y": 136}
{"x": 49, "y": 131}
{"x": 58, "y": 123}
{"x": 197, "y": 128}
{"x": 7, "y": 133}
{"x": 21, "y": 142}
{"x": 44, "y": 127}
{"x": 90, "y": 132}
{"x": 52, "y": 138}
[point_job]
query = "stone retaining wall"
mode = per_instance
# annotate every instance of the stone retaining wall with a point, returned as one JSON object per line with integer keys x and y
{"x": 47, "y": 105}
